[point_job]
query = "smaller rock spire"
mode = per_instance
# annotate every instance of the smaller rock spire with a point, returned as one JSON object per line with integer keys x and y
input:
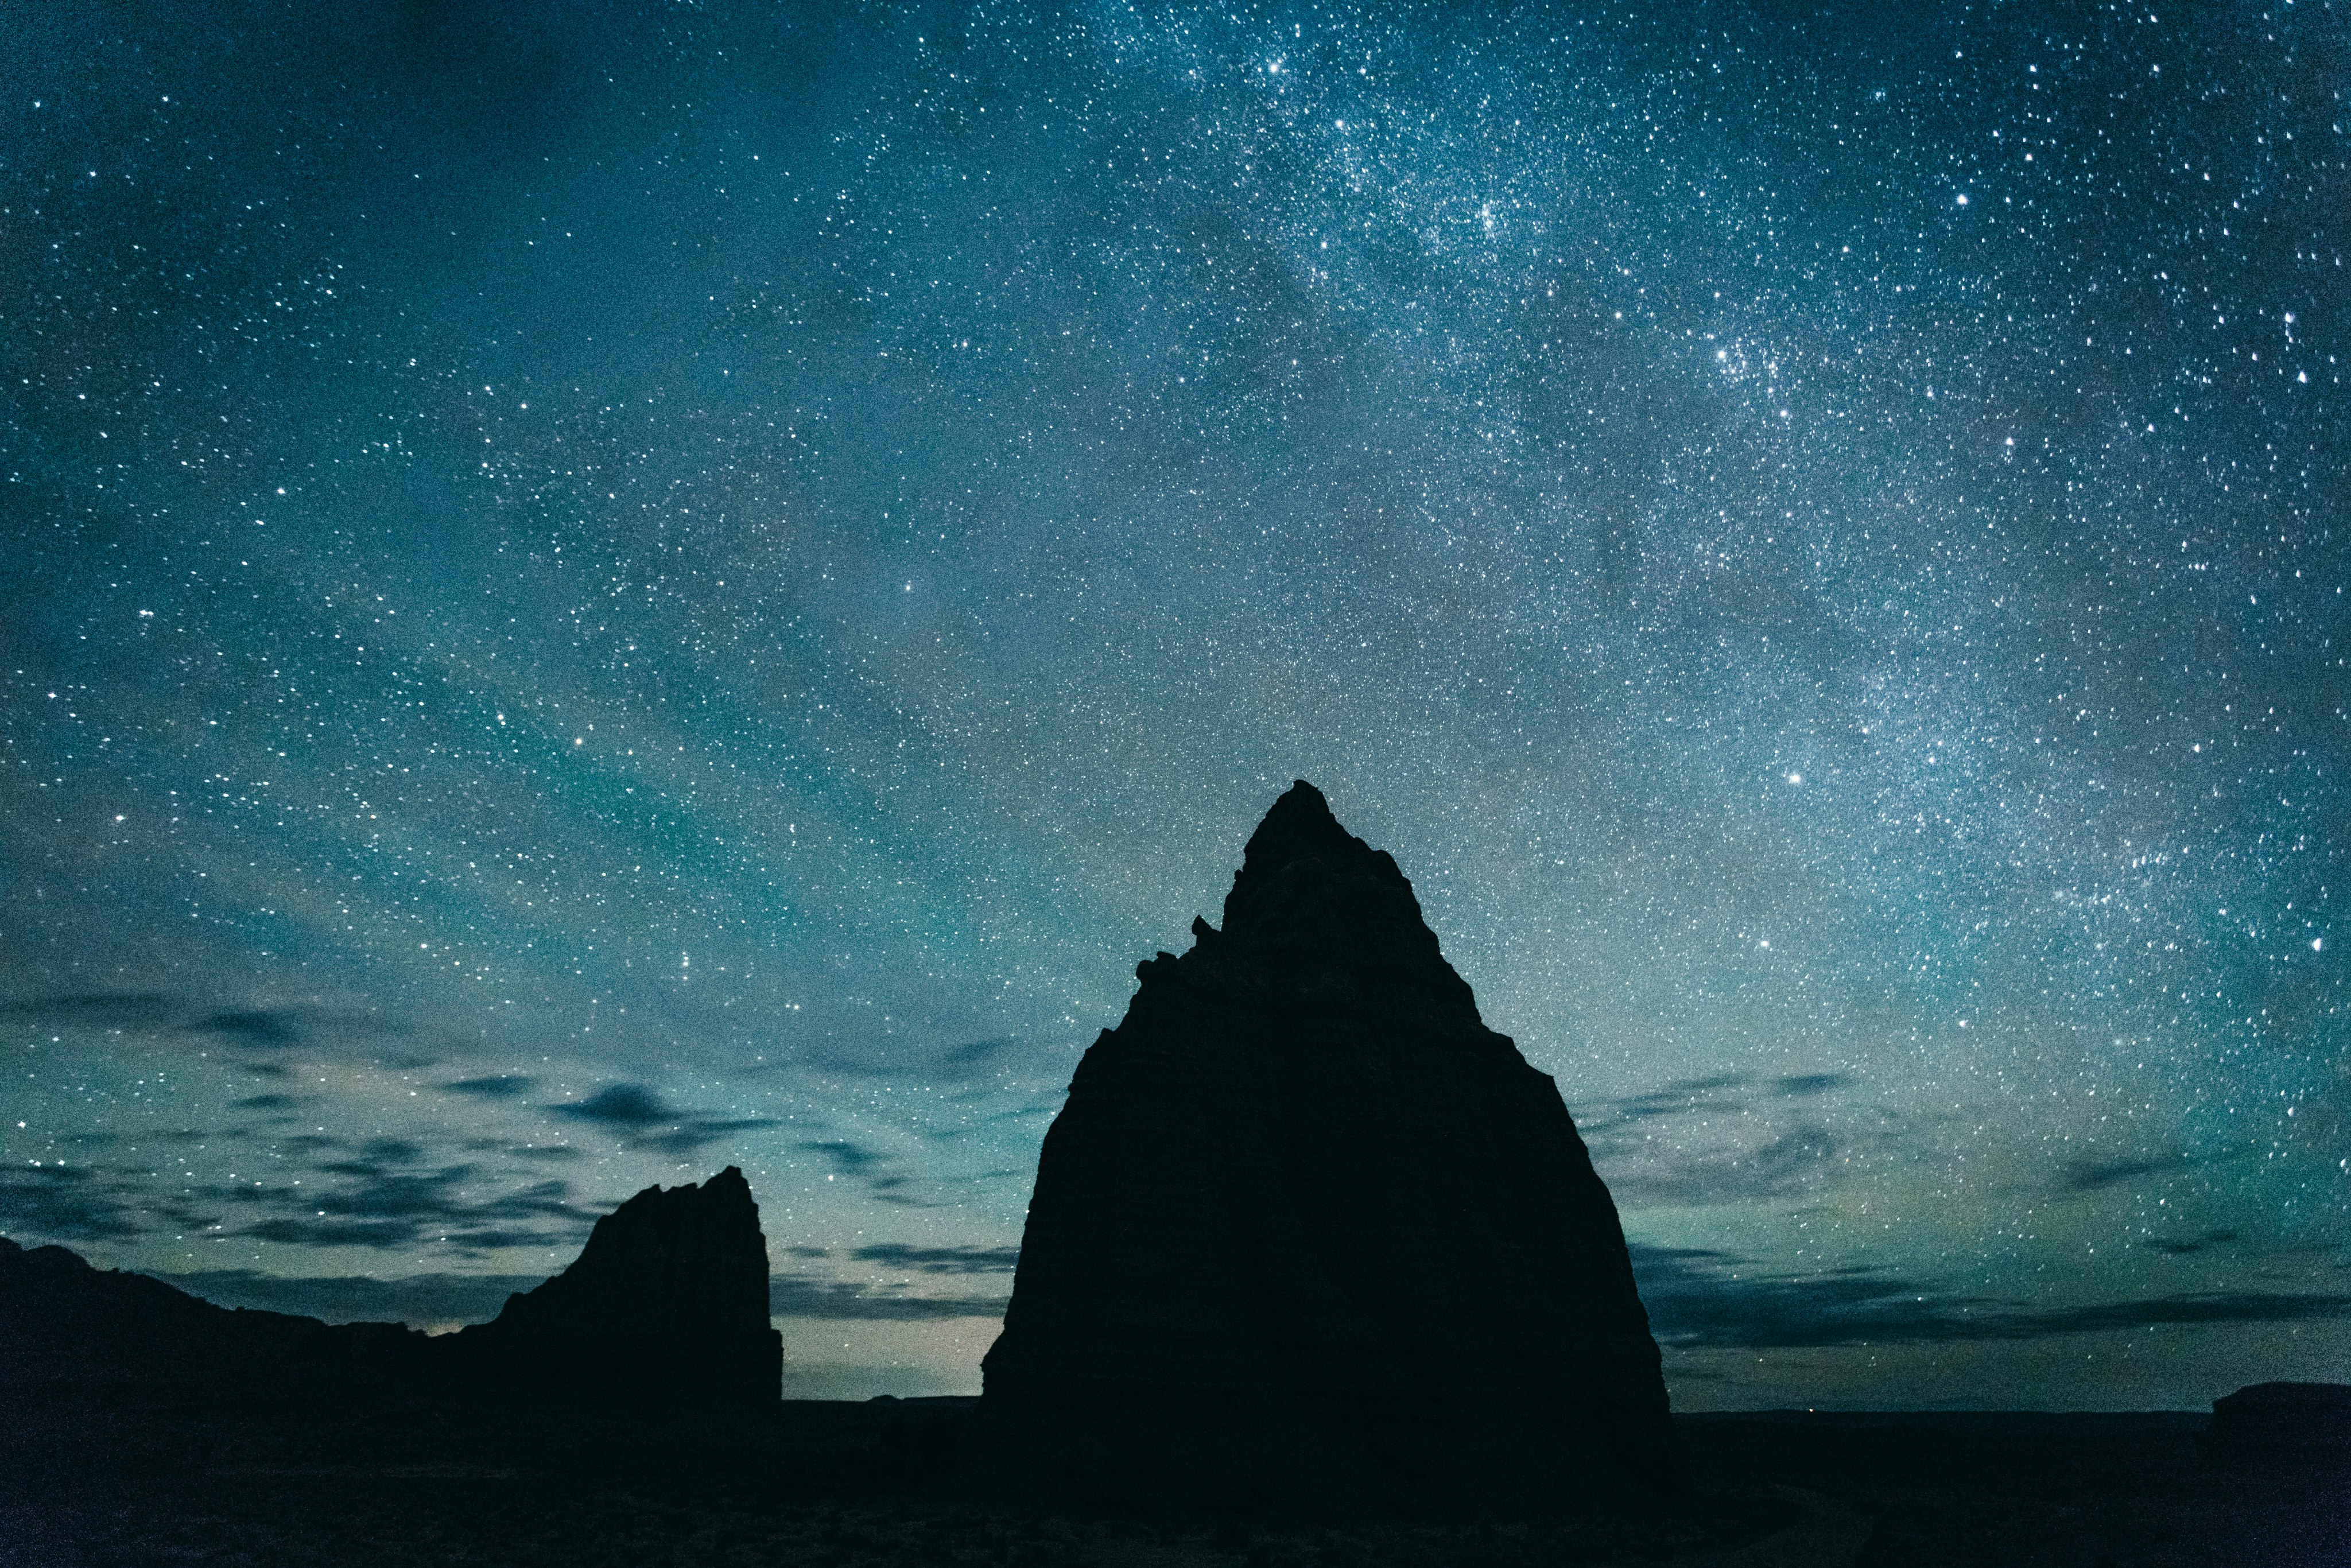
{"x": 668, "y": 1301}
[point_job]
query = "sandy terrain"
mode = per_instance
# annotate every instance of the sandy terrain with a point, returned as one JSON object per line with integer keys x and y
{"x": 843, "y": 1484}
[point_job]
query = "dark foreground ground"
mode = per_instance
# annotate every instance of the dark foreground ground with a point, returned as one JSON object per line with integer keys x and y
{"x": 863, "y": 1484}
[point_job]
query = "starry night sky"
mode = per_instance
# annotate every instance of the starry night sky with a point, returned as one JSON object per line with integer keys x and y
{"x": 595, "y": 591}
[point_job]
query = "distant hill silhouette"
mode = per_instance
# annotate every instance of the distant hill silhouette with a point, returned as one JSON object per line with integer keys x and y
{"x": 65, "y": 1327}
{"x": 666, "y": 1304}
{"x": 1307, "y": 1229}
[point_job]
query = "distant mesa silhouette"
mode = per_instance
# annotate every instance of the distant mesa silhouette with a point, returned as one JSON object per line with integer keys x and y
{"x": 1306, "y": 1230}
{"x": 2270, "y": 1423}
{"x": 667, "y": 1305}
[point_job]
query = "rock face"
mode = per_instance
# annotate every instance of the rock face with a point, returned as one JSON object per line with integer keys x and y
{"x": 1306, "y": 1229}
{"x": 666, "y": 1304}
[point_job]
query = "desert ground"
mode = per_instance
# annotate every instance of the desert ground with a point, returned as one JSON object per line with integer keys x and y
{"x": 877, "y": 1484}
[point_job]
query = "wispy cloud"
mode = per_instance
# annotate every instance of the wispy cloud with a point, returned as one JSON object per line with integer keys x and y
{"x": 1804, "y": 1084}
{"x": 643, "y": 1119}
{"x": 251, "y": 1033}
{"x": 848, "y": 1159}
{"x": 341, "y": 1231}
{"x": 876, "y": 1056}
{"x": 971, "y": 1056}
{"x": 96, "y": 1009}
{"x": 619, "y": 1105}
{"x": 385, "y": 1208}
{"x": 1768, "y": 1170}
{"x": 1677, "y": 1098}
{"x": 791, "y": 1296}
{"x": 856, "y": 1163}
{"x": 1698, "y": 1298}
{"x": 1718, "y": 1093}
{"x": 941, "y": 1260}
{"x": 2089, "y": 1176}
{"x": 62, "y": 1204}
{"x": 270, "y": 1027}
{"x": 2180, "y": 1247}
{"x": 499, "y": 1086}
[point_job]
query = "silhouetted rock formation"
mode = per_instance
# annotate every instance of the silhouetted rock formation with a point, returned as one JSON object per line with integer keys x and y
{"x": 2272, "y": 1422}
{"x": 667, "y": 1303}
{"x": 68, "y": 1328}
{"x": 1307, "y": 1230}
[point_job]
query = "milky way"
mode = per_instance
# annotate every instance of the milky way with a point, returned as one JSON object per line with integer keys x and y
{"x": 594, "y": 596}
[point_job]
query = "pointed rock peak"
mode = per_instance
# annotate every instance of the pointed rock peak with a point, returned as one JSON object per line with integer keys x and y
{"x": 1354, "y": 880}
{"x": 1299, "y": 827}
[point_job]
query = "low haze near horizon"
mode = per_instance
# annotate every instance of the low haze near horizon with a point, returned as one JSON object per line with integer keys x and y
{"x": 598, "y": 593}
